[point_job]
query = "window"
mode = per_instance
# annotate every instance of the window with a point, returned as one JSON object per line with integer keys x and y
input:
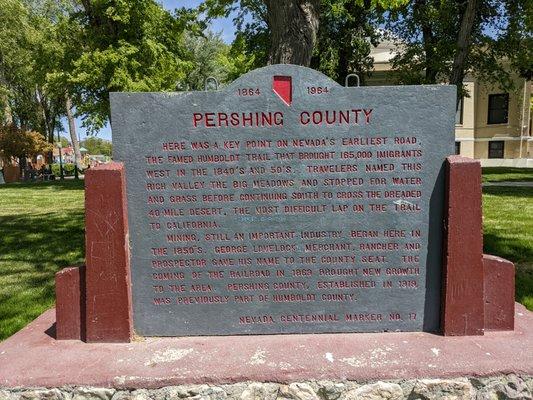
{"x": 459, "y": 113}
{"x": 496, "y": 149}
{"x": 498, "y": 108}
{"x": 457, "y": 148}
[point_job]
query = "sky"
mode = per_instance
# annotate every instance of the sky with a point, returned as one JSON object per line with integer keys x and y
{"x": 223, "y": 26}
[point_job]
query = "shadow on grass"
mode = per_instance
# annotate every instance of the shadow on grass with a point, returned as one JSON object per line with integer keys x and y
{"x": 495, "y": 174}
{"x": 524, "y": 284}
{"x": 510, "y": 191}
{"x": 55, "y": 185}
{"x": 505, "y": 170}
{"x": 514, "y": 250}
{"x": 32, "y": 249}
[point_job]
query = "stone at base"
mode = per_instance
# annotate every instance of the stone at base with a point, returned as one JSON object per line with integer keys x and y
{"x": 498, "y": 387}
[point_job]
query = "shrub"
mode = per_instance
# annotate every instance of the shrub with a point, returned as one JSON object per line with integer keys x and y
{"x": 68, "y": 169}
{"x": 55, "y": 169}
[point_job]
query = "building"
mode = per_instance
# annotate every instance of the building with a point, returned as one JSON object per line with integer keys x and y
{"x": 67, "y": 155}
{"x": 491, "y": 125}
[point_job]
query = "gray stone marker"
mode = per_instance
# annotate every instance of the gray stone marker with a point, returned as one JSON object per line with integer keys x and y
{"x": 285, "y": 203}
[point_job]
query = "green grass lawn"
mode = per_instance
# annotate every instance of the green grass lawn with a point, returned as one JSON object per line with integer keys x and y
{"x": 508, "y": 233}
{"x": 41, "y": 231}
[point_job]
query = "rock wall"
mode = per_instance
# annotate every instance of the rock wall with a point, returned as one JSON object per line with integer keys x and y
{"x": 494, "y": 388}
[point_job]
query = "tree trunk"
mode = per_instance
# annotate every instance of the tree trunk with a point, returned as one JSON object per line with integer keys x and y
{"x": 293, "y": 26}
{"x": 22, "y": 166}
{"x": 463, "y": 46}
{"x": 420, "y": 8}
{"x": 72, "y": 130}
{"x": 8, "y": 117}
{"x": 49, "y": 123}
{"x": 41, "y": 102}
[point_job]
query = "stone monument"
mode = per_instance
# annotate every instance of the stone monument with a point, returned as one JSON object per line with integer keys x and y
{"x": 285, "y": 203}
{"x": 281, "y": 204}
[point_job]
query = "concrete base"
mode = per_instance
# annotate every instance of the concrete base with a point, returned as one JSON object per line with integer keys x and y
{"x": 33, "y": 358}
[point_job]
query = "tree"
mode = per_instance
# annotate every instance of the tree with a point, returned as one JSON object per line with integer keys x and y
{"x": 274, "y": 31}
{"x": 442, "y": 40}
{"x": 72, "y": 130}
{"x": 25, "y": 62}
{"x": 464, "y": 39}
{"x": 13, "y": 19}
{"x": 63, "y": 57}
{"x": 58, "y": 46}
{"x": 64, "y": 142}
{"x": 346, "y": 36}
{"x": 17, "y": 89}
{"x": 244, "y": 56}
{"x": 21, "y": 144}
{"x": 209, "y": 57}
{"x": 292, "y": 25}
{"x": 97, "y": 146}
{"x": 131, "y": 45}
{"x": 508, "y": 42}
{"x": 49, "y": 51}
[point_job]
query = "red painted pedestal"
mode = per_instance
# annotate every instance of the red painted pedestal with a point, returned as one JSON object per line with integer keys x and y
{"x": 94, "y": 302}
{"x": 477, "y": 289}
{"x": 499, "y": 293}
{"x": 69, "y": 303}
{"x": 108, "y": 287}
{"x": 462, "y": 284}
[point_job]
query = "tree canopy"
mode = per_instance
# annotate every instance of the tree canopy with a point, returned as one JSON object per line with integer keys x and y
{"x": 497, "y": 42}
{"x": 18, "y": 143}
{"x": 61, "y": 58}
{"x": 95, "y": 146}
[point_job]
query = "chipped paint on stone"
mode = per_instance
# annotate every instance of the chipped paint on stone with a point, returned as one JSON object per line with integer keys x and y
{"x": 167, "y": 356}
{"x": 354, "y": 361}
{"x": 258, "y": 358}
